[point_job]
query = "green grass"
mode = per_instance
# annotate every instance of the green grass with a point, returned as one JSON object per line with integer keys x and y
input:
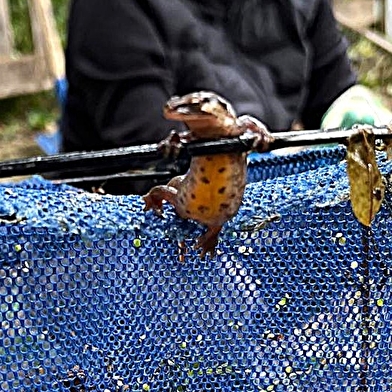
{"x": 20, "y": 119}
{"x": 21, "y": 25}
{"x": 60, "y": 8}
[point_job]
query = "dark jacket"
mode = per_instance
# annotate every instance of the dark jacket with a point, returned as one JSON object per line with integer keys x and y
{"x": 279, "y": 60}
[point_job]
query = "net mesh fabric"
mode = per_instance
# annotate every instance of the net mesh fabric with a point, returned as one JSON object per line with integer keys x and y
{"x": 97, "y": 295}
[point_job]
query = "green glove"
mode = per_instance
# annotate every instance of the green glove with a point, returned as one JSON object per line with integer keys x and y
{"x": 357, "y": 105}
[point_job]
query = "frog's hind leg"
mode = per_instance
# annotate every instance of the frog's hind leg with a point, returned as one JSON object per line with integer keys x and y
{"x": 154, "y": 198}
{"x": 208, "y": 241}
{"x": 176, "y": 182}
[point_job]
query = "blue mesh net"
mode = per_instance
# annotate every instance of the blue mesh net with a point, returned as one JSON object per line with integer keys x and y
{"x": 97, "y": 295}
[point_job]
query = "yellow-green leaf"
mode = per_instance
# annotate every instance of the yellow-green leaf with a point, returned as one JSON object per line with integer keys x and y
{"x": 366, "y": 184}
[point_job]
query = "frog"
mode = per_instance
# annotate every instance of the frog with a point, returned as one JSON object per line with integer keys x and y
{"x": 212, "y": 190}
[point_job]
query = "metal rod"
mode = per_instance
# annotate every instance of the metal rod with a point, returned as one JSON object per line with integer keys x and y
{"x": 119, "y": 158}
{"x": 303, "y": 138}
{"x": 282, "y": 140}
{"x": 108, "y": 162}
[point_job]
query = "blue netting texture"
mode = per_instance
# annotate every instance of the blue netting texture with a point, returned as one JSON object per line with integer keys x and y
{"x": 97, "y": 295}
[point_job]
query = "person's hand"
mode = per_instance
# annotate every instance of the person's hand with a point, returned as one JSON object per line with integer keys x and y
{"x": 357, "y": 105}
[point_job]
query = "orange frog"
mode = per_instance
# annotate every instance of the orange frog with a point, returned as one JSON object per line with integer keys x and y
{"x": 212, "y": 190}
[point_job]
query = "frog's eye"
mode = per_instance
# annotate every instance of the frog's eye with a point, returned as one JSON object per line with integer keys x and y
{"x": 189, "y": 108}
{"x": 215, "y": 101}
{"x": 226, "y": 106}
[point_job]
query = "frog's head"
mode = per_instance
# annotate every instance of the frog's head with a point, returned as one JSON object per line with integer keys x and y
{"x": 207, "y": 114}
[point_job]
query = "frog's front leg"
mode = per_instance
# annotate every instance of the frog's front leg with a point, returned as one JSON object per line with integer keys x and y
{"x": 171, "y": 145}
{"x": 154, "y": 198}
{"x": 251, "y": 125}
{"x": 208, "y": 241}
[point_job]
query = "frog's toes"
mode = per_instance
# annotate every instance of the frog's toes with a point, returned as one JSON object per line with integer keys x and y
{"x": 206, "y": 247}
{"x": 208, "y": 241}
{"x": 206, "y": 251}
{"x": 152, "y": 203}
{"x": 171, "y": 146}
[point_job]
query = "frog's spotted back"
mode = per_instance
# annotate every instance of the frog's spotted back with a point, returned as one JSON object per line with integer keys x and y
{"x": 94, "y": 295}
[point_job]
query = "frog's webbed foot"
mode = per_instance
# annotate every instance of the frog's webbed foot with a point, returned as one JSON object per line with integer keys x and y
{"x": 208, "y": 241}
{"x": 154, "y": 199}
{"x": 251, "y": 125}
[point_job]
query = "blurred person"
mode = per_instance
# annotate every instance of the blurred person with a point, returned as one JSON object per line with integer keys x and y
{"x": 282, "y": 61}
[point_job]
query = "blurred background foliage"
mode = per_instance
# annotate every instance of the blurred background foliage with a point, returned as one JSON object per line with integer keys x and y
{"x": 21, "y": 24}
{"x": 21, "y": 117}
{"x": 373, "y": 65}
